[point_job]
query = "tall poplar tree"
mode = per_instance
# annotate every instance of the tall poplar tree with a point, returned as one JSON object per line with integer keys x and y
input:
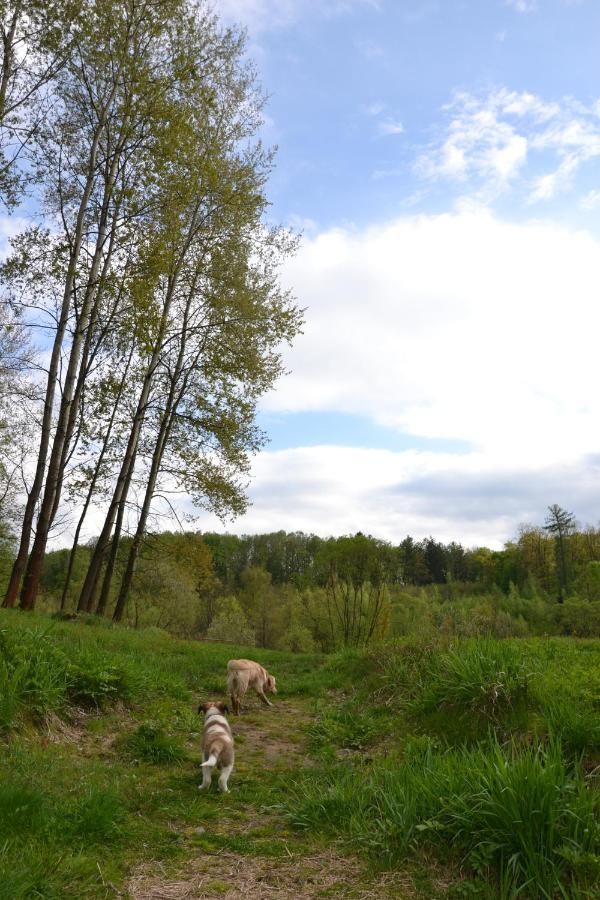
{"x": 223, "y": 313}
{"x": 92, "y": 156}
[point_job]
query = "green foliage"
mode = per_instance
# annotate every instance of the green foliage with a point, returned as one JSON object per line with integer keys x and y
{"x": 297, "y": 638}
{"x": 53, "y": 577}
{"x": 346, "y": 728}
{"x": 149, "y": 743}
{"x": 580, "y": 618}
{"x": 230, "y": 624}
{"x": 298, "y": 592}
{"x": 517, "y": 815}
{"x": 96, "y": 682}
{"x": 96, "y": 817}
{"x": 45, "y": 824}
{"x": 485, "y": 677}
{"x": 522, "y": 817}
{"x": 34, "y": 676}
{"x": 7, "y": 541}
{"x": 173, "y": 569}
{"x": 576, "y": 725}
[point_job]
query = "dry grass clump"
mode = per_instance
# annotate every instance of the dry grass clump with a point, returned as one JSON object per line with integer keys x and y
{"x": 229, "y": 876}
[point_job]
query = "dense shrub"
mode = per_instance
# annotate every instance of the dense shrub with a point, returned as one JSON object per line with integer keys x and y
{"x": 38, "y": 677}
{"x": 346, "y": 728}
{"x": 298, "y": 639}
{"x": 230, "y": 624}
{"x": 579, "y": 618}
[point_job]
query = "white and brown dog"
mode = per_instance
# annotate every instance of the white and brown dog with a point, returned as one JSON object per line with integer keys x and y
{"x": 243, "y": 674}
{"x": 217, "y": 744}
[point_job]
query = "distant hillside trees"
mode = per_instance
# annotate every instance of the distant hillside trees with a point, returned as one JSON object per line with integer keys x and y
{"x": 300, "y": 592}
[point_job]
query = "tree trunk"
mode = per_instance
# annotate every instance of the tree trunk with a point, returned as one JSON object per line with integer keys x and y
{"x": 127, "y": 467}
{"x": 68, "y": 409}
{"x": 120, "y": 492}
{"x": 176, "y": 392}
{"x": 8, "y": 58}
{"x": 93, "y": 482}
{"x": 27, "y": 527}
{"x": 114, "y": 549}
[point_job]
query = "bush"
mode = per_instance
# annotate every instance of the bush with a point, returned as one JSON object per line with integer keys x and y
{"x": 575, "y": 725}
{"x": 298, "y": 639}
{"x": 579, "y": 618}
{"x": 345, "y": 728}
{"x": 96, "y": 817}
{"x": 23, "y": 811}
{"x": 37, "y": 677}
{"x": 230, "y": 625}
{"x": 95, "y": 682}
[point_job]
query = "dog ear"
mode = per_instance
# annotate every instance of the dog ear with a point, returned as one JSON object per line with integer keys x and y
{"x": 223, "y": 707}
{"x": 202, "y": 708}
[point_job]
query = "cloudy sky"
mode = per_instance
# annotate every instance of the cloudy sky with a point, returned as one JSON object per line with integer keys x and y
{"x": 442, "y": 158}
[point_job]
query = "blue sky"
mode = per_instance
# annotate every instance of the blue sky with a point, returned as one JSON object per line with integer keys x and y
{"x": 442, "y": 158}
{"x": 359, "y": 92}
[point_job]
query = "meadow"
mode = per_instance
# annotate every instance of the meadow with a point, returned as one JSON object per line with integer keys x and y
{"x": 438, "y": 767}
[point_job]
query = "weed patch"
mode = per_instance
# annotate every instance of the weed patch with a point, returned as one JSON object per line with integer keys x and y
{"x": 150, "y": 743}
{"x": 523, "y": 818}
{"x": 488, "y": 678}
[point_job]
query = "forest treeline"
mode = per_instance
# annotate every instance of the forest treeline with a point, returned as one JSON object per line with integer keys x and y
{"x": 301, "y": 592}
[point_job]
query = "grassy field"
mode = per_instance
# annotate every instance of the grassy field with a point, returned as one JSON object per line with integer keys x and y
{"x": 423, "y": 769}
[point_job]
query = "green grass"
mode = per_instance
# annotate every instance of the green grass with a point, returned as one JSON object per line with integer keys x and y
{"x": 150, "y": 743}
{"x": 484, "y": 678}
{"x": 479, "y": 754}
{"x": 524, "y": 820}
{"x": 478, "y": 751}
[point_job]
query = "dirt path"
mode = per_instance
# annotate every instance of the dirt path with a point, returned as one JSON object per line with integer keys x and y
{"x": 277, "y": 862}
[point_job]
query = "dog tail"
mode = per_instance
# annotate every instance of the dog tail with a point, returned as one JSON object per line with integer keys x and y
{"x": 233, "y": 682}
{"x": 211, "y": 761}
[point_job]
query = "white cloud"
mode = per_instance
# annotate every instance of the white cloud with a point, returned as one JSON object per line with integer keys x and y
{"x": 370, "y": 49}
{"x": 390, "y": 127}
{"x": 478, "y": 142}
{"x": 387, "y": 126}
{"x": 522, "y": 6}
{"x": 458, "y": 326}
{"x": 591, "y": 200}
{"x": 451, "y": 326}
{"x": 340, "y": 490}
{"x": 375, "y": 108}
{"x": 493, "y": 141}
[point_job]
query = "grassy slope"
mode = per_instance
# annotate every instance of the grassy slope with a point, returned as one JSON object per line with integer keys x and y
{"x": 96, "y": 802}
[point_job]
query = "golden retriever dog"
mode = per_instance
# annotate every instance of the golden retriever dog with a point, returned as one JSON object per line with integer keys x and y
{"x": 217, "y": 744}
{"x": 243, "y": 674}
